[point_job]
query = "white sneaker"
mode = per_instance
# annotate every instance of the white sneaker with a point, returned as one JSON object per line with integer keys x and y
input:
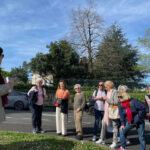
{"x": 94, "y": 138}
{"x": 127, "y": 141}
{"x": 113, "y": 145}
{"x": 100, "y": 141}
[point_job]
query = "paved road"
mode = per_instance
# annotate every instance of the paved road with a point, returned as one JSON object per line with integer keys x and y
{"x": 21, "y": 121}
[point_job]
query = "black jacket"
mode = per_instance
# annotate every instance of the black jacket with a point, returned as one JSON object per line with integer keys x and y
{"x": 33, "y": 97}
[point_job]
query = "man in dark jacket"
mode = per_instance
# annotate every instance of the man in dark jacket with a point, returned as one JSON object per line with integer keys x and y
{"x": 132, "y": 114}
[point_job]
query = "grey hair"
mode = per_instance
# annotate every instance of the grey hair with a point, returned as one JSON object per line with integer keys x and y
{"x": 77, "y": 85}
{"x": 39, "y": 80}
{"x": 122, "y": 88}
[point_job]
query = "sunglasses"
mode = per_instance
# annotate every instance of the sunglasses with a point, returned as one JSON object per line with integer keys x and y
{"x": 120, "y": 97}
{"x": 77, "y": 88}
{"x": 100, "y": 85}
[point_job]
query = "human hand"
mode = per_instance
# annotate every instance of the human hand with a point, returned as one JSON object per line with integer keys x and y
{"x": 105, "y": 98}
{"x": 11, "y": 82}
{"x": 122, "y": 127}
{"x": 78, "y": 109}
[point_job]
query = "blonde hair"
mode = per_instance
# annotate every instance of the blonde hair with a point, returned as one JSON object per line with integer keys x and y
{"x": 122, "y": 88}
{"x": 77, "y": 85}
{"x": 109, "y": 84}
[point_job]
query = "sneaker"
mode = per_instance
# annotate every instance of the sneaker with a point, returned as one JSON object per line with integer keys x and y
{"x": 127, "y": 141}
{"x": 113, "y": 145}
{"x": 94, "y": 138}
{"x": 100, "y": 141}
{"x": 121, "y": 148}
{"x": 41, "y": 131}
{"x": 34, "y": 131}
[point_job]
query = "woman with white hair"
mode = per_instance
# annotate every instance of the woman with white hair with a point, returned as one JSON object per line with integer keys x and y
{"x": 37, "y": 107}
{"x": 79, "y": 103}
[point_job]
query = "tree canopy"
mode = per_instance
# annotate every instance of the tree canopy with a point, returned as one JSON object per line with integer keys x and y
{"x": 116, "y": 59}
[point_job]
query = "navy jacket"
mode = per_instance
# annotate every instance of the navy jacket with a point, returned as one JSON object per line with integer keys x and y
{"x": 138, "y": 112}
{"x": 33, "y": 97}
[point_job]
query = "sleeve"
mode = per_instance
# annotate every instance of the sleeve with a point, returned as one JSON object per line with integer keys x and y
{"x": 148, "y": 101}
{"x": 45, "y": 94}
{"x": 121, "y": 115}
{"x": 83, "y": 102}
{"x": 140, "y": 107}
{"x": 4, "y": 89}
{"x": 93, "y": 96}
{"x": 68, "y": 96}
{"x": 56, "y": 95}
{"x": 114, "y": 98}
{"x": 32, "y": 89}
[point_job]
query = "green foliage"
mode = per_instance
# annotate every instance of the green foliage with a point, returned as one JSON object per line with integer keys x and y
{"x": 5, "y": 74}
{"x": 41, "y": 64}
{"x": 116, "y": 59}
{"x": 20, "y": 74}
{"x": 64, "y": 59}
{"x": 24, "y": 141}
{"x": 145, "y": 41}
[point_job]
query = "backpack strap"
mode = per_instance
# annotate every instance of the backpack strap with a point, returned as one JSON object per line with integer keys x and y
{"x": 96, "y": 91}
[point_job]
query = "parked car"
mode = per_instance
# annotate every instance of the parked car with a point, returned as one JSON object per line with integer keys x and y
{"x": 89, "y": 107}
{"x": 17, "y": 100}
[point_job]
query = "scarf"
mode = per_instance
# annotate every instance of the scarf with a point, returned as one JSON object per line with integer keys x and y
{"x": 4, "y": 97}
{"x": 126, "y": 105}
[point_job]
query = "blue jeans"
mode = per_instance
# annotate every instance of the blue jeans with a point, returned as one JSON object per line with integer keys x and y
{"x": 140, "y": 130}
{"x": 98, "y": 117}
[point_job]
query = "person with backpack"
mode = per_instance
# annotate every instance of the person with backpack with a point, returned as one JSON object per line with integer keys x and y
{"x": 132, "y": 113}
{"x": 37, "y": 94}
{"x": 147, "y": 103}
{"x": 98, "y": 96}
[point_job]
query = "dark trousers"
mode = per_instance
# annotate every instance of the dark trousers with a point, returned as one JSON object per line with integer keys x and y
{"x": 36, "y": 116}
{"x": 98, "y": 119}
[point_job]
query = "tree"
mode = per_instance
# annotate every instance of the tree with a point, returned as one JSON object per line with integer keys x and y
{"x": 116, "y": 59}
{"x": 41, "y": 64}
{"x": 86, "y": 29}
{"x": 145, "y": 41}
{"x": 20, "y": 74}
{"x": 5, "y": 74}
{"x": 62, "y": 61}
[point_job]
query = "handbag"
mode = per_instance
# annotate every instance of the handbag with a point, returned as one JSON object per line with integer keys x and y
{"x": 113, "y": 112}
{"x": 59, "y": 100}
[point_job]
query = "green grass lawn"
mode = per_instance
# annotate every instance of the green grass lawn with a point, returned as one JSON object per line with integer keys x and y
{"x": 25, "y": 141}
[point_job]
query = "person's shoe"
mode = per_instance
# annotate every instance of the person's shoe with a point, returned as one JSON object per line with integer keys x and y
{"x": 121, "y": 148}
{"x": 127, "y": 141}
{"x": 94, "y": 138}
{"x": 58, "y": 133}
{"x": 64, "y": 135}
{"x": 113, "y": 145}
{"x": 34, "y": 131}
{"x": 41, "y": 131}
{"x": 100, "y": 141}
{"x": 79, "y": 137}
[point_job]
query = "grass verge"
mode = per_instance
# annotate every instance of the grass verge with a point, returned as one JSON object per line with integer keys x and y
{"x": 26, "y": 141}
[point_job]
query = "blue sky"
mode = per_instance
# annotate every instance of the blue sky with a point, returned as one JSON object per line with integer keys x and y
{"x": 27, "y": 26}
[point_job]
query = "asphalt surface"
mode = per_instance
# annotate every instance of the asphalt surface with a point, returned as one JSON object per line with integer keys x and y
{"x": 20, "y": 121}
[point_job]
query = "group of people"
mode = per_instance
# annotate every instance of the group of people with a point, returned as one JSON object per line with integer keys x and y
{"x": 111, "y": 106}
